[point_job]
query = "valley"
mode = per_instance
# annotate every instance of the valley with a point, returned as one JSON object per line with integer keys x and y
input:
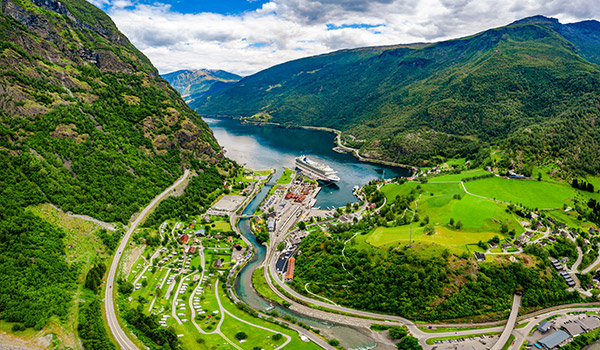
{"x": 437, "y": 196}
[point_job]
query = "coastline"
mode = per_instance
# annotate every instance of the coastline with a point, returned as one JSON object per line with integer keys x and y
{"x": 338, "y": 141}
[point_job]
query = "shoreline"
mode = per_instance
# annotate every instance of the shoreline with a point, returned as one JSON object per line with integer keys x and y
{"x": 337, "y": 141}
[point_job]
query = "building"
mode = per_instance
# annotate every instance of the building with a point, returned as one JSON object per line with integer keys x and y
{"x": 290, "y": 270}
{"x": 568, "y": 278}
{"x": 555, "y": 339}
{"x": 573, "y": 328}
{"x": 271, "y": 225}
{"x": 479, "y": 256}
{"x": 590, "y": 323}
{"x": 184, "y": 239}
{"x": 544, "y": 327}
{"x": 218, "y": 263}
{"x": 556, "y": 264}
{"x": 200, "y": 232}
{"x": 192, "y": 250}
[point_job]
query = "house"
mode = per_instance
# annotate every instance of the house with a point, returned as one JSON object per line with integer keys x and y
{"x": 200, "y": 232}
{"x": 184, "y": 239}
{"x": 556, "y": 265}
{"x": 230, "y": 239}
{"x": 290, "y": 270}
{"x": 479, "y": 256}
{"x": 568, "y": 279}
{"x": 506, "y": 245}
{"x": 553, "y": 340}
{"x": 493, "y": 245}
{"x": 518, "y": 243}
{"x": 544, "y": 326}
{"x": 218, "y": 263}
{"x": 192, "y": 250}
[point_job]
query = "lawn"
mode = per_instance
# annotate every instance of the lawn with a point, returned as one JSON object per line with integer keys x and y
{"x": 294, "y": 344}
{"x": 221, "y": 226}
{"x": 530, "y": 193}
{"x": 459, "y": 177}
{"x": 286, "y": 177}
{"x": 481, "y": 218}
{"x": 261, "y": 286}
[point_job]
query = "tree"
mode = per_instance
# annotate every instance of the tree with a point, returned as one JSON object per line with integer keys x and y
{"x": 241, "y": 336}
{"x": 429, "y": 229}
{"x": 277, "y": 337}
{"x": 302, "y": 225}
{"x": 281, "y": 246}
{"x": 409, "y": 343}
{"x": 398, "y": 332}
{"x": 459, "y": 225}
{"x": 334, "y": 342}
{"x": 451, "y": 223}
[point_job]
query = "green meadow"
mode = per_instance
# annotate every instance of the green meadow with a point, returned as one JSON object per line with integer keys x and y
{"x": 481, "y": 218}
{"x": 530, "y": 193}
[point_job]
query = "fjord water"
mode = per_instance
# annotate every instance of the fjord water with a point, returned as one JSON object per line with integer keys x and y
{"x": 268, "y": 147}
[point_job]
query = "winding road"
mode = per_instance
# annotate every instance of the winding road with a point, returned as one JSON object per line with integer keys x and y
{"x": 120, "y": 336}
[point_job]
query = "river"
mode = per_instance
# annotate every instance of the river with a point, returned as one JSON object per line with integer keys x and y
{"x": 268, "y": 147}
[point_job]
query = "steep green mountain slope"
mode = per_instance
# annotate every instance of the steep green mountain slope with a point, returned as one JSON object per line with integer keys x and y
{"x": 198, "y": 84}
{"x": 530, "y": 86}
{"x": 86, "y": 123}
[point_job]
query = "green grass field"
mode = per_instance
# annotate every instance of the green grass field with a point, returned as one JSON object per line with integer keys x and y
{"x": 481, "y": 218}
{"x": 286, "y": 177}
{"x": 459, "y": 177}
{"x": 530, "y": 193}
{"x": 261, "y": 286}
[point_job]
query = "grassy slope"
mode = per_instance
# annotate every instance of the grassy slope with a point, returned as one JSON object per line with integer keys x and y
{"x": 480, "y": 217}
{"x": 531, "y": 193}
{"x": 86, "y": 249}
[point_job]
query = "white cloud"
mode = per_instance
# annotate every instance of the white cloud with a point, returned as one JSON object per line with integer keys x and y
{"x": 288, "y": 29}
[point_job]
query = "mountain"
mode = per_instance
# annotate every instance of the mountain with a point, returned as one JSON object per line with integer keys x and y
{"x": 198, "y": 84}
{"x": 531, "y": 88}
{"x": 88, "y": 125}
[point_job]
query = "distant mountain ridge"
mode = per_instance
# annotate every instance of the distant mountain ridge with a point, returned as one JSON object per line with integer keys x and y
{"x": 529, "y": 87}
{"x": 198, "y": 84}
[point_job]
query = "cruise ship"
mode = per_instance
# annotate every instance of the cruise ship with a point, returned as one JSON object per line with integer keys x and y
{"x": 319, "y": 171}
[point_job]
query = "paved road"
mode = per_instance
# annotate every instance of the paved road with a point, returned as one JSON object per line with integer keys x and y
{"x": 109, "y": 305}
{"x": 575, "y": 266}
{"x": 510, "y": 325}
{"x": 591, "y": 266}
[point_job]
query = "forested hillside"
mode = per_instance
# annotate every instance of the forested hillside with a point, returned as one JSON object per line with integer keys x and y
{"x": 196, "y": 85}
{"x": 86, "y": 123}
{"x": 532, "y": 87}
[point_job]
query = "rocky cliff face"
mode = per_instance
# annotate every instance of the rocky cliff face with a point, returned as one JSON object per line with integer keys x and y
{"x": 75, "y": 91}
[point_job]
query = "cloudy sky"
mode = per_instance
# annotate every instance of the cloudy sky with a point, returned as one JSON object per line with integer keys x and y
{"x": 245, "y": 36}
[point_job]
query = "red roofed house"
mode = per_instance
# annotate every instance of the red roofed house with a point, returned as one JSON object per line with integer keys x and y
{"x": 192, "y": 250}
{"x": 184, "y": 239}
{"x": 290, "y": 270}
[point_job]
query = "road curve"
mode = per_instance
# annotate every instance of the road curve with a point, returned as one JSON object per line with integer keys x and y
{"x": 109, "y": 305}
{"x": 510, "y": 325}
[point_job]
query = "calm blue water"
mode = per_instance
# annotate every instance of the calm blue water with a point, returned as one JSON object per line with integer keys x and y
{"x": 267, "y": 147}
